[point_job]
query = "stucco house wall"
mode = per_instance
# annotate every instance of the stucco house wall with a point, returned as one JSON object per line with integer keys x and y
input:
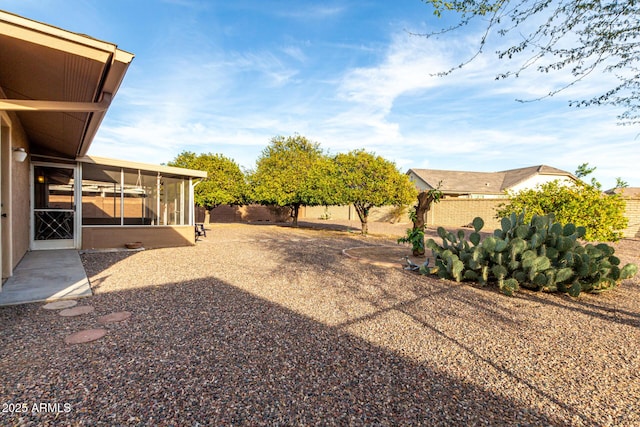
{"x": 539, "y": 180}
{"x": 55, "y": 89}
{"x": 150, "y": 237}
{"x": 21, "y": 199}
{"x": 16, "y": 196}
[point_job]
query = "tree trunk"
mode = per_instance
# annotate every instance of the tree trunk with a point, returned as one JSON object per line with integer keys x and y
{"x": 365, "y": 226}
{"x": 207, "y": 213}
{"x": 425, "y": 198}
{"x": 424, "y": 205}
{"x": 295, "y": 209}
{"x": 363, "y": 214}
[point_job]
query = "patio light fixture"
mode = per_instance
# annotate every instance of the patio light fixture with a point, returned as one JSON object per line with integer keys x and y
{"x": 19, "y": 154}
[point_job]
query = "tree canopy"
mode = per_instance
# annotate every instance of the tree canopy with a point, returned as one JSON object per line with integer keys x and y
{"x": 580, "y": 36}
{"x": 580, "y": 204}
{"x": 225, "y": 183}
{"x": 287, "y": 174}
{"x": 368, "y": 181}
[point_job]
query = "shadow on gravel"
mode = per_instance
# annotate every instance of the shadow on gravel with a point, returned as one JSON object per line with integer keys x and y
{"x": 206, "y": 353}
{"x": 389, "y": 299}
{"x": 600, "y": 310}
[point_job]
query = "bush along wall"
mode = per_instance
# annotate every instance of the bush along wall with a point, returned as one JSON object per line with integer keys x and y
{"x": 541, "y": 255}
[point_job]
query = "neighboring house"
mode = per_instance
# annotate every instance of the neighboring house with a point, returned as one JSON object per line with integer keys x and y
{"x": 480, "y": 185}
{"x": 627, "y": 192}
{"x": 55, "y": 89}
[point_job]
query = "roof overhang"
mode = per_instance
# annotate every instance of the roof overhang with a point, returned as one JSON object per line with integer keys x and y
{"x": 125, "y": 164}
{"x": 59, "y": 84}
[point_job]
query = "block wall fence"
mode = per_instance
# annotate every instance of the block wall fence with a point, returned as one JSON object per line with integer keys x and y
{"x": 446, "y": 213}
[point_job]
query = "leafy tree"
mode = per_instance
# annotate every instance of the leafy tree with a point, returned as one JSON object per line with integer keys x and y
{"x": 323, "y": 183}
{"x": 366, "y": 181}
{"x": 289, "y": 173}
{"x": 578, "y": 203}
{"x": 581, "y": 36}
{"x": 583, "y": 170}
{"x": 620, "y": 183}
{"x": 225, "y": 183}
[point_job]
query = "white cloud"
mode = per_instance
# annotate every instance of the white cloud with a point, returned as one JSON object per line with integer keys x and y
{"x": 406, "y": 68}
{"x": 236, "y": 102}
{"x": 295, "y": 52}
{"x": 312, "y": 12}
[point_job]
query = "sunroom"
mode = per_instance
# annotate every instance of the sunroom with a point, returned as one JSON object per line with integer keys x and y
{"x": 97, "y": 202}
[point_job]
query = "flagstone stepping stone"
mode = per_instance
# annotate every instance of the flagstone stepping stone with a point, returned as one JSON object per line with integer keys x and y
{"x": 76, "y": 311}
{"x": 85, "y": 336}
{"x": 114, "y": 317}
{"x": 58, "y": 305}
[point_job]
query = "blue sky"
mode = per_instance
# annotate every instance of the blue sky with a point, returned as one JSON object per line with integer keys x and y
{"x": 227, "y": 76}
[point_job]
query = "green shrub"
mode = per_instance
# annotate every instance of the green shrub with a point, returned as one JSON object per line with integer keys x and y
{"x": 415, "y": 236}
{"x": 581, "y": 204}
{"x": 540, "y": 254}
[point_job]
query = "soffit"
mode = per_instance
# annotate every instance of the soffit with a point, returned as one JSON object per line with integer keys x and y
{"x": 47, "y": 64}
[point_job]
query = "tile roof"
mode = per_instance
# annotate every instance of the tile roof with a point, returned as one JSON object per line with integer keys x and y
{"x": 464, "y": 182}
{"x": 516, "y": 176}
{"x": 632, "y": 192}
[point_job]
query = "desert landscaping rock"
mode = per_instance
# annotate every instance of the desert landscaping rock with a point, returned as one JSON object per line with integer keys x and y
{"x": 59, "y": 305}
{"x": 77, "y": 311}
{"x": 383, "y": 255}
{"x": 114, "y": 317}
{"x": 85, "y": 336}
{"x": 262, "y": 325}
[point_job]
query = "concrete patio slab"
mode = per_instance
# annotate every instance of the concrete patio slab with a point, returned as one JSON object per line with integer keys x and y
{"x": 45, "y": 276}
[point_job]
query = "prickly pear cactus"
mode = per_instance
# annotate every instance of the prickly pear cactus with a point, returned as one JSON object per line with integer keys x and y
{"x": 541, "y": 255}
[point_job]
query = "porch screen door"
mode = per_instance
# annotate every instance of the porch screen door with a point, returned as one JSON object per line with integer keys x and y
{"x": 54, "y": 207}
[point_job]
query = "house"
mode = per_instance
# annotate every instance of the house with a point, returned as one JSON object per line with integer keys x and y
{"x": 55, "y": 89}
{"x": 626, "y": 192}
{"x": 482, "y": 185}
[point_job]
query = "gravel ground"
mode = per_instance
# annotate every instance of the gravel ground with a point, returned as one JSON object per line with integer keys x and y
{"x": 268, "y": 325}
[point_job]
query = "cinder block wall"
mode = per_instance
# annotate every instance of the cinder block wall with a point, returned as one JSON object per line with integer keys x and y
{"x": 249, "y": 213}
{"x": 461, "y": 212}
{"x": 633, "y": 214}
{"x": 446, "y": 213}
{"x": 390, "y": 214}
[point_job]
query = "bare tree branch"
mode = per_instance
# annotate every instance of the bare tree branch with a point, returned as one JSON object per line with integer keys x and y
{"x": 580, "y": 37}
